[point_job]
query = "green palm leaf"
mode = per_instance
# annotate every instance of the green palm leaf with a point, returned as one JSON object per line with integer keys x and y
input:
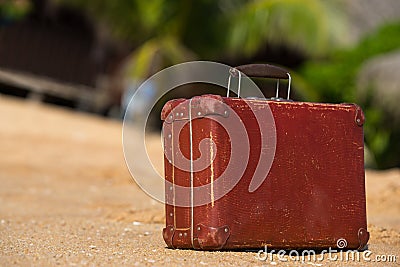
{"x": 309, "y": 26}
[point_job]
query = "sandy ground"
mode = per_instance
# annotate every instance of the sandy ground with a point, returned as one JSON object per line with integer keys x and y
{"x": 67, "y": 198}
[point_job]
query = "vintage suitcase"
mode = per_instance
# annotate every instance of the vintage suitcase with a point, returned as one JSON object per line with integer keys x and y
{"x": 292, "y": 177}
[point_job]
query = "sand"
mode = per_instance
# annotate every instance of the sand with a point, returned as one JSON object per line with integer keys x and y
{"x": 67, "y": 198}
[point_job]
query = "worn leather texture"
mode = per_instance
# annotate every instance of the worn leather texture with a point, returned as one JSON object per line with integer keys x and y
{"x": 313, "y": 195}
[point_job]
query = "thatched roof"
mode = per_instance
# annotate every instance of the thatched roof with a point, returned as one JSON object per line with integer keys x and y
{"x": 366, "y": 15}
{"x": 380, "y": 77}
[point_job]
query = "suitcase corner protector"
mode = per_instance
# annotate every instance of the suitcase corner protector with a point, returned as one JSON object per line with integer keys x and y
{"x": 211, "y": 238}
{"x": 168, "y": 234}
{"x": 360, "y": 117}
{"x": 363, "y": 237}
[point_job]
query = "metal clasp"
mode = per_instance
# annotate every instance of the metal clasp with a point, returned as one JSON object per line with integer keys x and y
{"x": 288, "y": 90}
{"x": 233, "y": 72}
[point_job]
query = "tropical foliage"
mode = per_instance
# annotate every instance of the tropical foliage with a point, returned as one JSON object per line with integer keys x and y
{"x": 11, "y": 10}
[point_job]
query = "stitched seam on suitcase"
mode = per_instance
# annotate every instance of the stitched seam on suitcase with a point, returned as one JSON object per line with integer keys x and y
{"x": 191, "y": 172}
{"x": 173, "y": 174}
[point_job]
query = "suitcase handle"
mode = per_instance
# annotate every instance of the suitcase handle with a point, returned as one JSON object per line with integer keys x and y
{"x": 262, "y": 71}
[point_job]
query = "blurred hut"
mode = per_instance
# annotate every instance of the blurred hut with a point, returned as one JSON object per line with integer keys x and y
{"x": 58, "y": 55}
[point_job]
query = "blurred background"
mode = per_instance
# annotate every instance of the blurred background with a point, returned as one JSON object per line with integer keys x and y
{"x": 91, "y": 55}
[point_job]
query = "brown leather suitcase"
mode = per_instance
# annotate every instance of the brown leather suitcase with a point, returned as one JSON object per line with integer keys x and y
{"x": 295, "y": 178}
